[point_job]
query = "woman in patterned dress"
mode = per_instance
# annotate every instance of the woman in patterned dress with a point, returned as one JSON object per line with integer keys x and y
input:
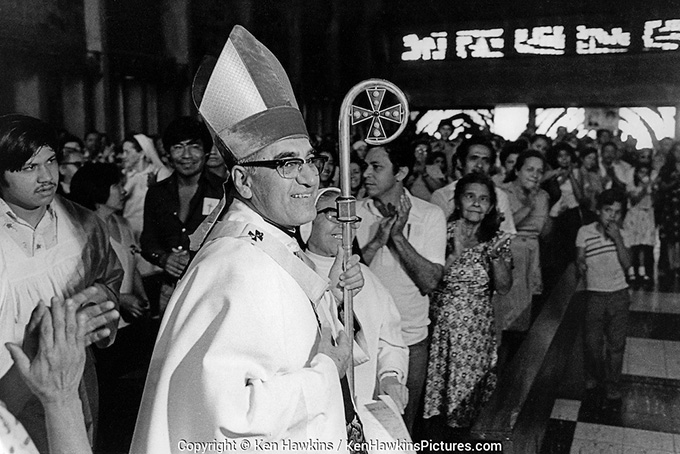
{"x": 462, "y": 367}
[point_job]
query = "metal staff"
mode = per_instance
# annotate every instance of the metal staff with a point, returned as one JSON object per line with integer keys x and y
{"x": 375, "y": 89}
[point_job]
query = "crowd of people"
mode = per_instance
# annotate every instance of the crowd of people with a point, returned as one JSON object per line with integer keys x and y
{"x": 218, "y": 243}
{"x": 541, "y": 196}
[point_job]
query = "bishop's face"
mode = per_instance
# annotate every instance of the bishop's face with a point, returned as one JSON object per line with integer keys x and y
{"x": 288, "y": 202}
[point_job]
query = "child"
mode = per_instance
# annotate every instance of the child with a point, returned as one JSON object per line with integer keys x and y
{"x": 639, "y": 224}
{"x": 602, "y": 260}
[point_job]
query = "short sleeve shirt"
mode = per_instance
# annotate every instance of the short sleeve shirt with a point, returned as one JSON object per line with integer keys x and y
{"x": 605, "y": 273}
{"x": 425, "y": 230}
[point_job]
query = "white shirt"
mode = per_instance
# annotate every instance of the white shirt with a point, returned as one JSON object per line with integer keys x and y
{"x": 443, "y": 198}
{"x": 380, "y": 323}
{"x": 67, "y": 252}
{"x": 425, "y": 230}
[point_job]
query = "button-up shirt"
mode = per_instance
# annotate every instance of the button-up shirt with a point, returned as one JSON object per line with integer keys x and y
{"x": 425, "y": 230}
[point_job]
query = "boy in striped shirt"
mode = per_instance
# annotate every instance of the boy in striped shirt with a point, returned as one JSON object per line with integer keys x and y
{"x": 603, "y": 260}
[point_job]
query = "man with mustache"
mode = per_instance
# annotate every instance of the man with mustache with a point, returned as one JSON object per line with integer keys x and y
{"x": 49, "y": 247}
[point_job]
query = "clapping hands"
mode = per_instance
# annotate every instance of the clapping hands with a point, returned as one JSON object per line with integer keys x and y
{"x": 52, "y": 357}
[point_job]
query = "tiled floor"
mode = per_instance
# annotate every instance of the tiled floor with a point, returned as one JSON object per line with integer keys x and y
{"x": 649, "y": 418}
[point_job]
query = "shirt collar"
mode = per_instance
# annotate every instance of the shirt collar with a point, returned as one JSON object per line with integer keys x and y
{"x": 8, "y": 215}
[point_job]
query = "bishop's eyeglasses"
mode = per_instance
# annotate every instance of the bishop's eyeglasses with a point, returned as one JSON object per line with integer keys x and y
{"x": 290, "y": 168}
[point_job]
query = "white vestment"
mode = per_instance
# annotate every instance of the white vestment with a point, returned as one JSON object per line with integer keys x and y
{"x": 380, "y": 330}
{"x": 236, "y": 357}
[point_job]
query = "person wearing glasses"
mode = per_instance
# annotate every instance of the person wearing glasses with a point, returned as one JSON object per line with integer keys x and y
{"x": 176, "y": 206}
{"x": 381, "y": 359}
{"x": 71, "y": 159}
{"x": 250, "y": 351}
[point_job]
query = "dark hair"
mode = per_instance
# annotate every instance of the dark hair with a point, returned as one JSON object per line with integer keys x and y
{"x": 91, "y": 184}
{"x": 602, "y": 131}
{"x": 21, "y": 137}
{"x": 668, "y": 166}
{"x": 535, "y": 137}
{"x": 554, "y": 152}
{"x": 464, "y": 148}
{"x": 425, "y": 142}
{"x": 521, "y": 159}
{"x": 610, "y": 144}
{"x": 329, "y": 149}
{"x": 640, "y": 166}
{"x": 433, "y": 156}
{"x": 445, "y": 122}
{"x": 355, "y": 159}
{"x": 609, "y": 197}
{"x": 512, "y": 148}
{"x": 187, "y": 128}
{"x": 585, "y": 151}
{"x": 130, "y": 137}
{"x": 398, "y": 154}
{"x": 64, "y": 140}
{"x": 490, "y": 224}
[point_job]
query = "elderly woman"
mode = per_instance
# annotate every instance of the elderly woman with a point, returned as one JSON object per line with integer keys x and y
{"x": 461, "y": 373}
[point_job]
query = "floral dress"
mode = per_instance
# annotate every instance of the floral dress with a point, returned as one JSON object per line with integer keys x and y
{"x": 461, "y": 373}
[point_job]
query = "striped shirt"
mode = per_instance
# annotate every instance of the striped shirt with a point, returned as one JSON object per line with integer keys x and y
{"x": 605, "y": 273}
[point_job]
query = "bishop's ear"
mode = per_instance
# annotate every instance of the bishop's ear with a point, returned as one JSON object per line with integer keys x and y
{"x": 243, "y": 181}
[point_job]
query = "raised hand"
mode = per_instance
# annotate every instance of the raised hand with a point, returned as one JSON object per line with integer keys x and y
{"x": 497, "y": 246}
{"x": 54, "y": 372}
{"x": 94, "y": 312}
{"x": 403, "y": 211}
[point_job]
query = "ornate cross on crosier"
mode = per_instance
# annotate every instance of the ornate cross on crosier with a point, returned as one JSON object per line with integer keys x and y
{"x": 394, "y": 114}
